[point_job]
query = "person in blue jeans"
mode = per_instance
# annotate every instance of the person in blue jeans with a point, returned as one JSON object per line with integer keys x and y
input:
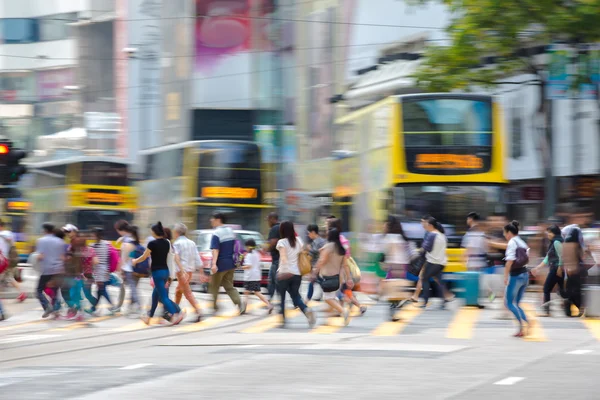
{"x": 516, "y": 276}
{"x": 2, "y": 315}
{"x": 159, "y": 250}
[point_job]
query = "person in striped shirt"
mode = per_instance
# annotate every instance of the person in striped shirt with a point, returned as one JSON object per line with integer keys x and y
{"x": 101, "y": 271}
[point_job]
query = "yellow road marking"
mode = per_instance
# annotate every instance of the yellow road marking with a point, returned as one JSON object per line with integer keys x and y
{"x": 463, "y": 323}
{"x": 334, "y": 324}
{"x": 274, "y": 321}
{"x": 594, "y": 326}
{"x": 536, "y": 332}
{"x": 137, "y": 325}
{"x": 212, "y": 321}
{"x": 24, "y": 324}
{"x": 82, "y": 324}
{"x": 392, "y": 328}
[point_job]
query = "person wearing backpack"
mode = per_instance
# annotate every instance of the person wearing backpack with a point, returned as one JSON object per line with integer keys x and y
{"x": 516, "y": 276}
{"x": 554, "y": 260}
{"x": 159, "y": 250}
{"x": 225, "y": 256}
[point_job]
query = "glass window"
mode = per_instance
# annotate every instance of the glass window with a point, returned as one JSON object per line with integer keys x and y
{"x": 447, "y": 122}
{"x": 20, "y": 30}
{"x": 165, "y": 164}
{"x": 87, "y": 220}
{"x": 103, "y": 173}
{"x": 56, "y": 27}
{"x": 229, "y": 161}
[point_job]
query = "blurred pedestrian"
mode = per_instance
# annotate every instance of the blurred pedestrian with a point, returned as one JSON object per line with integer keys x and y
{"x": 51, "y": 257}
{"x": 222, "y": 246}
{"x": 79, "y": 272}
{"x": 316, "y": 243}
{"x": 272, "y": 239}
{"x": 435, "y": 247}
{"x": 573, "y": 251}
{"x": 516, "y": 276}
{"x": 330, "y": 271}
{"x": 553, "y": 260}
{"x": 129, "y": 239}
{"x": 7, "y": 247}
{"x": 476, "y": 247}
{"x": 101, "y": 269}
{"x": 288, "y": 273}
{"x": 187, "y": 259}
{"x": 159, "y": 250}
{"x": 252, "y": 274}
{"x": 336, "y": 223}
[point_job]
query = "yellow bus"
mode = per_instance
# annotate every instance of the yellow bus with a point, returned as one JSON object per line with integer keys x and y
{"x": 87, "y": 192}
{"x": 187, "y": 182}
{"x": 416, "y": 154}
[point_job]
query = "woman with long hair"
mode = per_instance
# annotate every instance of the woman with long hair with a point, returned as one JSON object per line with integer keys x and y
{"x": 159, "y": 249}
{"x": 396, "y": 249}
{"x": 328, "y": 272}
{"x": 516, "y": 276}
{"x": 288, "y": 273}
{"x": 336, "y": 223}
{"x": 434, "y": 245}
{"x": 554, "y": 260}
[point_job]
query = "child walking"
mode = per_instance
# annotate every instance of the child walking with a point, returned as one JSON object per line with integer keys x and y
{"x": 252, "y": 273}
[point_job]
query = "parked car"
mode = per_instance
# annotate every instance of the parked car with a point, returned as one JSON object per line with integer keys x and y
{"x": 203, "y": 237}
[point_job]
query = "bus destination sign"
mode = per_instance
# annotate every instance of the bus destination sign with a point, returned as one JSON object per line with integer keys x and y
{"x": 448, "y": 161}
{"x": 229, "y": 192}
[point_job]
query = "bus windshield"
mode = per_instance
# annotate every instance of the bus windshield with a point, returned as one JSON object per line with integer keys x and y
{"x": 87, "y": 220}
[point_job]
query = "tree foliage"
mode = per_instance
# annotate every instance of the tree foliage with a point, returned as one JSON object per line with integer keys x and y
{"x": 499, "y": 29}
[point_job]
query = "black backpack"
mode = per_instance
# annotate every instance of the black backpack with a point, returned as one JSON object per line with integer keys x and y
{"x": 521, "y": 260}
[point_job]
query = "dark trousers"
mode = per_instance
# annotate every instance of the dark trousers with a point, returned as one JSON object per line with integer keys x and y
{"x": 272, "y": 287}
{"x": 552, "y": 279}
{"x": 42, "y": 284}
{"x": 291, "y": 286}
{"x": 573, "y": 289}
{"x": 432, "y": 271}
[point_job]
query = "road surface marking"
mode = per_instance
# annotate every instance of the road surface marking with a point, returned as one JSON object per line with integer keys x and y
{"x": 271, "y": 322}
{"x": 212, "y": 321}
{"x": 392, "y": 328}
{"x": 463, "y": 323}
{"x": 83, "y": 324}
{"x": 24, "y": 324}
{"x": 138, "y": 325}
{"x": 579, "y": 352}
{"x": 136, "y": 366}
{"x": 593, "y": 326}
{"x": 536, "y": 332}
{"x": 509, "y": 381}
{"x": 26, "y": 338}
{"x": 334, "y": 324}
{"x": 412, "y": 347}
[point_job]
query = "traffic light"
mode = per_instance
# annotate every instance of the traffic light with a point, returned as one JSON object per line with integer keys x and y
{"x": 15, "y": 170}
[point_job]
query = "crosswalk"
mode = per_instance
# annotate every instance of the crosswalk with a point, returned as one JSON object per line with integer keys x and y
{"x": 457, "y": 323}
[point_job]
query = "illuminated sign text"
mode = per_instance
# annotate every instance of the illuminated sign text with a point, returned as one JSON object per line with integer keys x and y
{"x": 448, "y": 161}
{"x": 97, "y": 197}
{"x": 229, "y": 193}
{"x": 18, "y": 205}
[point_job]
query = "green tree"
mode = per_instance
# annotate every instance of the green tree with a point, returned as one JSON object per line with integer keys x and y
{"x": 507, "y": 31}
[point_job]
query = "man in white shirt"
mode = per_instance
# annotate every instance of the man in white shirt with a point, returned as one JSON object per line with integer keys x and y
{"x": 187, "y": 259}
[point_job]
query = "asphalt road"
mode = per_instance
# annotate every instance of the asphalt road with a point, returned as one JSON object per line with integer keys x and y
{"x": 460, "y": 353}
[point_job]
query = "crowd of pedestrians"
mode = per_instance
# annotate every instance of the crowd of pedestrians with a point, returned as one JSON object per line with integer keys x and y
{"x": 71, "y": 264}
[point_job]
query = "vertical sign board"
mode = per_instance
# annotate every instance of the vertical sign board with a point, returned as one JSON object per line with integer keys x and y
{"x": 121, "y": 75}
{"x": 144, "y": 89}
{"x": 177, "y": 49}
{"x": 558, "y": 72}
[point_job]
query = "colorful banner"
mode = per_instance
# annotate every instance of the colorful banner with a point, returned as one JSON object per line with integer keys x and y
{"x": 51, "y": 83}
{"x": 588, "y": 71}
{"x": 558, "y": 72}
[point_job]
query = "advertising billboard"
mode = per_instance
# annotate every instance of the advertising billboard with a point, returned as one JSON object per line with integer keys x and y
{"x": 225, "y": 45}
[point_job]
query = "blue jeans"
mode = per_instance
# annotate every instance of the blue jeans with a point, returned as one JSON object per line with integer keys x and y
{"x": 272, "y": 287}
{"x": 514, "y": 293}
{"x": 311, "y": 290}
{"x": 161, "y": 293}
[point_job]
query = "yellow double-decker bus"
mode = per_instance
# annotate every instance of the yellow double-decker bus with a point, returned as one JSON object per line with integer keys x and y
{"x": 188, "y": 182}
{"x": 417, "y": 154}
{"x": 88, "y": 192}
{"x": 15, "y": 214}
